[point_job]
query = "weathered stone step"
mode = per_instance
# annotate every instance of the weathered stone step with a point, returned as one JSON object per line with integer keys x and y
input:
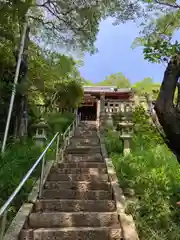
{"x": 81, "y": 164}
{"x": 83, "y": 149}
{"x": 75, "y": 194}
{"x": 75, "y": 205}
{"x": 77, "y": 177}
{"x": 85, "y": 125}
{"x": 81, "y": 186}
{"x": 93, "y": 157}
{"x": 83, "y": 143}
{"x": 86, "y": 133}
{"x": 83, "y": 233}
{"x": 85, "y": 140}
{"x": 72, "y": 219}
{"x": 94, "y": 171}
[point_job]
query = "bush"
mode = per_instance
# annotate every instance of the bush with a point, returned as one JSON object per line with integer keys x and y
{"x": 154, "y": 174}
{"x": 16, "y": 162}
{"x": 58, "y": 122}
{"x": 144, "y": 132}
{"x": 113, "y": 142}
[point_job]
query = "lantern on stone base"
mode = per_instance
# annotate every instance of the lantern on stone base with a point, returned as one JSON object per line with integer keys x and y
{"x": 40, "y": 136}
{"x": 126, "y": 131}
{"x": 109, "y": 121}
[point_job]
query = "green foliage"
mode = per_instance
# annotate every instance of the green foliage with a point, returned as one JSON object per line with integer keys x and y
{"x": 160, "y": 50}
{"x": 145, "y": 134}
{"x": 58, "y": 122}
{"x": 68, "y": 94}
{"x": 146, "y": 86}
{"x": 53, "y": 80}
{"x": 162, "y": 21}
{"x": 118, "y": 80}
{"x": 154, "y": 175}
{"x": 113, "y": 142}
{"x": 152, "y": 171}
{"x": 17, "y": 160}
{"x": 69, "y": 24}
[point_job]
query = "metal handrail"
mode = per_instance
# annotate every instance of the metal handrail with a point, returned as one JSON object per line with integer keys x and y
{"x": 65, "y": 136}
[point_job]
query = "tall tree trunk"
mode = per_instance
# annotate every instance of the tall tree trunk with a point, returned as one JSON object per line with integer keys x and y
{"x": 167, "y": 112}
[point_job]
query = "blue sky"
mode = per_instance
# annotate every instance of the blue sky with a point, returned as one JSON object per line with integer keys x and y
{"x": 116, "y": 55}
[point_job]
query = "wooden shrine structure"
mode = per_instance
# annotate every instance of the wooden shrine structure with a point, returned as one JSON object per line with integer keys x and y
{"x": 101, "y": 102}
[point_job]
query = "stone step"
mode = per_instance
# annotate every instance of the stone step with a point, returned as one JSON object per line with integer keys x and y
{"x": 72, "y": 219}
{"x": 87, "y": 127}
{"x": 83, "y": 143}
{"x": 85, "y": 233}
{"x": 72, "y": 149}
{"x": 85, "y": 140}
{"x": 93, "y": 157}
{"x": 83, "y": 137}
{"x": 67, "y": 205}
{"x": 81, "y": 164}
{"x": 81, "y": 186}
{"x": 75, "y": 194}
{"x": 77, "y": 177}
{"x": 86, "y": 133}
{"x": 93, "y": 171}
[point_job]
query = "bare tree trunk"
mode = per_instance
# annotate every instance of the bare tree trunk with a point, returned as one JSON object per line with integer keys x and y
{"x": 167, "y": 112}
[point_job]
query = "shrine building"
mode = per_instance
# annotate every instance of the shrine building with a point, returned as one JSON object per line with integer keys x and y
{"x": 103, "y": 101}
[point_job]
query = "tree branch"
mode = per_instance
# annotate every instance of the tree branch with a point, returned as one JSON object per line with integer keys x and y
{"x": 173, "y": 5}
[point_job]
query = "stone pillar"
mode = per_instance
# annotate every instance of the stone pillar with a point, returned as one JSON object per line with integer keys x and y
{"x": 102, "y": 112}
{"x": 102, "y": 105}
{"x": 98, "y": 113}
{"x": 109, "y": 120}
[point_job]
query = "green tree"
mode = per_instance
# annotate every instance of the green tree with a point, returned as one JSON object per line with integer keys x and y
{"x": 146, "y": 86}
{"x": 70, "y": 25}
{"x": 156, "y": 38}
{"x": 118, "y": 80}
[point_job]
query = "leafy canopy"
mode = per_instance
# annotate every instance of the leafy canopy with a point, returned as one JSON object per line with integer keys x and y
{"x": 117, "y": 79}
{"x": 162, "y": 21}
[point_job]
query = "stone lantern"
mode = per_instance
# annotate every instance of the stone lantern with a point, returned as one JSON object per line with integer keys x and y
{"x": 109, "y": 121}
{"x": 41, "y": 133}
{"x": 126, "y": 131}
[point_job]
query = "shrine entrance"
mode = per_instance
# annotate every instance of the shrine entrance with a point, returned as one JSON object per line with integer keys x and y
{"x": 88, "y": 109}
{"x": 88, "y": 113}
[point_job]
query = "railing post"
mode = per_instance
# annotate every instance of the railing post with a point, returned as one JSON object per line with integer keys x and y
{"x": 69, "y": 136}
{"x": 63, "y": 146}
{"x": 57, "y": 147}
{"x": 62, "y": 155}
{"x": 76, "y": 120}
{"x": 73, "y": 128}
{"x": 3, "y": 225}
{"x": 41, "y": 178}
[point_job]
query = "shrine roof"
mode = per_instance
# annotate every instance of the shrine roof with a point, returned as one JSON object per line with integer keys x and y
{"x": 106, "y": 89}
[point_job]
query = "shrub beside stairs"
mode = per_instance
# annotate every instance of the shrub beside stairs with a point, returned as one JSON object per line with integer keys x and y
{"x": 78, "y": 200}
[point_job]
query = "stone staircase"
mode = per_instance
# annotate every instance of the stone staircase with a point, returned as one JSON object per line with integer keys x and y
{"x": 77, "y": 201}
